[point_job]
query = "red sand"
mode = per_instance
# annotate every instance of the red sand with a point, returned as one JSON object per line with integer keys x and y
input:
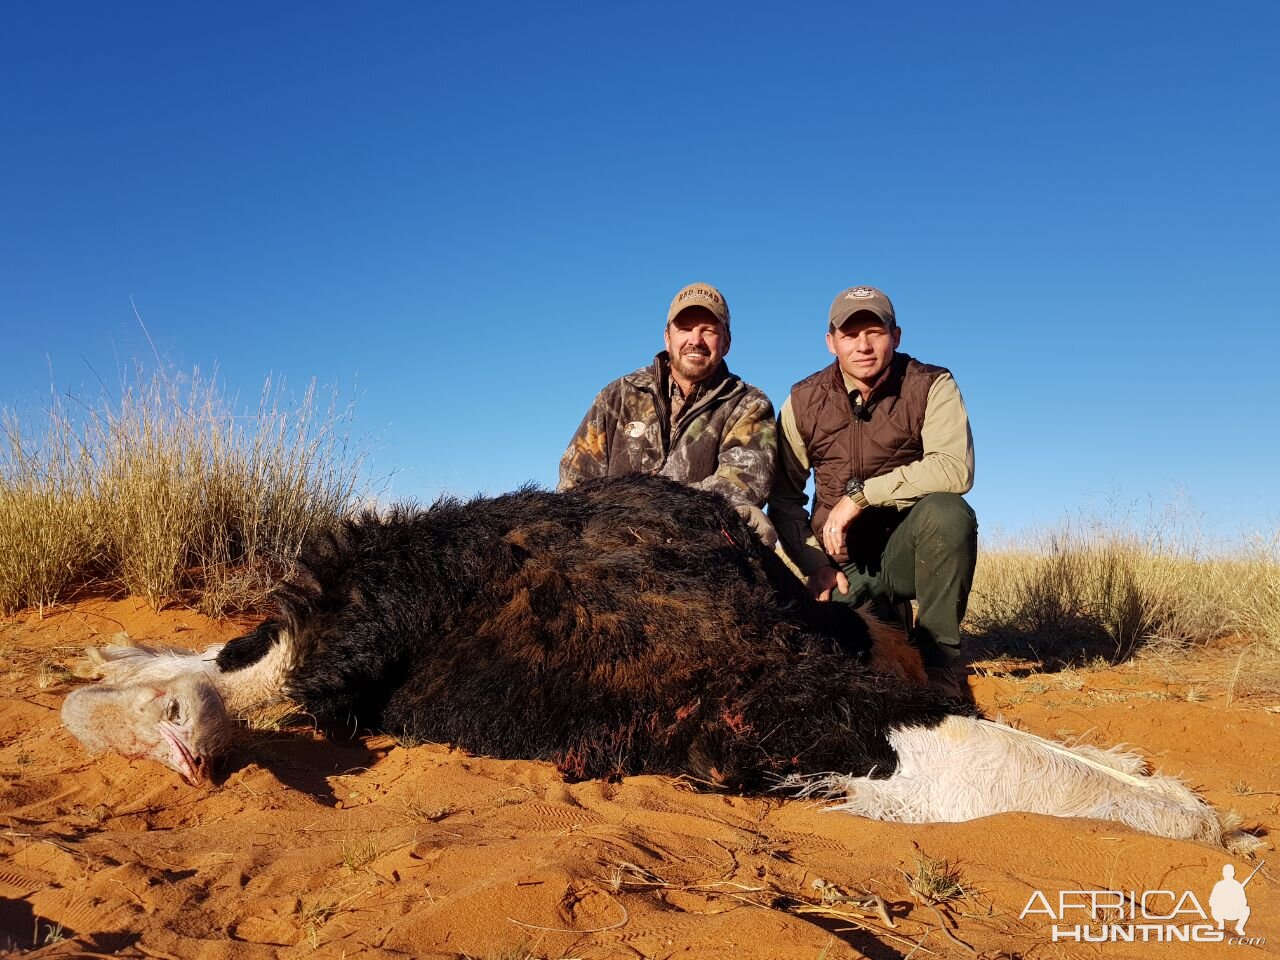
{"x": 312, "y": 848}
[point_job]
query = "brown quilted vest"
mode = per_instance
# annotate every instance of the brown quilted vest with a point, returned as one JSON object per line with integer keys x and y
{"x": 885, "y": 435}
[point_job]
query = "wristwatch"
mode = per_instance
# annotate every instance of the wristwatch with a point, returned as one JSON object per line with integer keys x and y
{"x": 853, "y": 490}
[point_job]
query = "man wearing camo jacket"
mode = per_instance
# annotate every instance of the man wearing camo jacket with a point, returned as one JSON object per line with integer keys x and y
{"x": 685, "y": 416}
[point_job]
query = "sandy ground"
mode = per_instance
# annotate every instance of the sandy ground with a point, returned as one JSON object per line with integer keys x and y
{"x": 368, "y": 848}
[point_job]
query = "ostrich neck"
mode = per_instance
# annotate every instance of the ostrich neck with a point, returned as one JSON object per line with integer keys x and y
{"x": 261, "y": 682}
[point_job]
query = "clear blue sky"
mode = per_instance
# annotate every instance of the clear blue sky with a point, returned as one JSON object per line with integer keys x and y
{"x": 475, "y": 215}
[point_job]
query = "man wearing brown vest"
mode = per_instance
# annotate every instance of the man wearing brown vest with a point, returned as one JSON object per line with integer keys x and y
{"x": 888, "y": 440}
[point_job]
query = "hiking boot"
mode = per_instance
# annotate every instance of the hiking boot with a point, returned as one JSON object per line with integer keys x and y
{"x": 951, "y": 680}
{"x": 947, "y": 672}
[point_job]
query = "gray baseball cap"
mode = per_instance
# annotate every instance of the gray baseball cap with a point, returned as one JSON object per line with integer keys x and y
{"x": 857, "y": 299}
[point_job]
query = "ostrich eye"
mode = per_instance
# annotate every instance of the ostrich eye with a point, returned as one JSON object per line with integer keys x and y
{"x": 173, "y": 712}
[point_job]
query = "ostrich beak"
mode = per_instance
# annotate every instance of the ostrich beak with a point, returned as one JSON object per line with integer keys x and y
{"x": 180, "y": 724}
{"x": 192, "y": 766}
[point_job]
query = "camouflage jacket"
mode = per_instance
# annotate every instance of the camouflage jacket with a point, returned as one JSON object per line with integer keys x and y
{"x": 724, "y": 439}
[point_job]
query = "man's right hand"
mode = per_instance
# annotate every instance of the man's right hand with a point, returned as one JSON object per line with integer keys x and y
{"x": 823, "y": 580}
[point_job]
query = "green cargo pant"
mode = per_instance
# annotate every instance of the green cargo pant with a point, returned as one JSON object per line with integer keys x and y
{"x": 926, "y": 554}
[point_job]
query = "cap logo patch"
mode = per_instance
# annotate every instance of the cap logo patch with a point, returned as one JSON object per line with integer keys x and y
{"x": 700, "y": 293}
{"x": 860, "y": 293}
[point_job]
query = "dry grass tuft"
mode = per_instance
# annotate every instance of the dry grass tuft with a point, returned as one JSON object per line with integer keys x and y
{"x": 359, "y": 852}
{"x": 275, "y": 717}
{"x": 1098, "y": 592}
{"x": 47, "y": 514}
{"x": 316, "y": 912}
{"x": 410, "y": 736}
{"x": 53, "y": 933}
{"x": 417, "y": 810}
{"x": 51, "y": 675}
{"x": 935, "y": 881}
{"x": 169, "y": 491}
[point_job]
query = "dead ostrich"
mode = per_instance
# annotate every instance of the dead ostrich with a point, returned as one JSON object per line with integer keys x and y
{"x": 628, "y": 626}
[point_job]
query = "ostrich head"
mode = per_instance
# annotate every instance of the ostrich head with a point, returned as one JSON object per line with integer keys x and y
{"x": 180, "y": 722}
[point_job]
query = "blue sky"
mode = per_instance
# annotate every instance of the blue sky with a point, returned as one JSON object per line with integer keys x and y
{"x": 473, "y": 216}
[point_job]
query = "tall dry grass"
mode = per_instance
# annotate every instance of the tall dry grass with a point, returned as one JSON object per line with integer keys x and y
{"x": 1106, "y": 589}
{"x": 47, "y": 516}
{"x": 170, "y": 492}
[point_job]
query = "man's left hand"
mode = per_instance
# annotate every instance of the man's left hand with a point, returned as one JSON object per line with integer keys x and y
{"x": 837, "y": 528}
{"x": 759, "y": 523}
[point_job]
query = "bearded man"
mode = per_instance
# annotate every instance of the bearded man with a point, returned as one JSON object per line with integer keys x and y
{"x": 685, "y": 416}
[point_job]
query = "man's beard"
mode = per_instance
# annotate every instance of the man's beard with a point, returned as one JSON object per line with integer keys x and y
{"x": 694, "y": 366}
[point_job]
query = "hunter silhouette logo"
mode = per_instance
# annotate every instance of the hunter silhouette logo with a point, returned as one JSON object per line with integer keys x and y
{"x": 1149, "y": 916}
{"x": 1229, "y": 901}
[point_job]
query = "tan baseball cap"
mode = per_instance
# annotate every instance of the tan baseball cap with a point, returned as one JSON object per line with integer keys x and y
{"x": 701, "y": 295}
{"x": 855, "y": 300}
